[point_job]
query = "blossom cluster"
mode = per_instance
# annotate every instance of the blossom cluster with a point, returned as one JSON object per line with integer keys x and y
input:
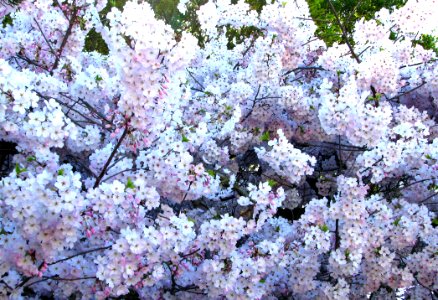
{"x": 286, "y": 160}
{"x": 278, "y": 168}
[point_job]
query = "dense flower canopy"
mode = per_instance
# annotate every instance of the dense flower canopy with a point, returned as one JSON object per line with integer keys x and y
{"x": 278, "y": 168}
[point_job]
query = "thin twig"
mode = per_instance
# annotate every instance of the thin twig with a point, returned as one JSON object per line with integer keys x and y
{"x": 188, "y": 189}
{"x": 66, "y": 36}
{"x": 196, "y": 80}
{"x": 430, "y": 197}
{"x": 79, "y": 254}
{"x": 105, "y": 167}
{"x": 45, "y": 38}
{"x": 253, "y": 105}
{"x": 118, "y": 173}
{"x": 32, "y": 62}
{"x": 246, "y": 51}
{"x": 337, "y": 236}
{"x": 56, "y": 278}
{"x": 407, "y": 92}
{"x": 344, "y": 32}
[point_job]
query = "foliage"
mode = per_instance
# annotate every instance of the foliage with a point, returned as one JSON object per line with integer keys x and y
{"x": 348, "y": 11}
{"x": 428, "y": 42}
{"x": 94, "y": 40}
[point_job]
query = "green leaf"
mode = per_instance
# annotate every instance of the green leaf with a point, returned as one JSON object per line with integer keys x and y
{"x": 397, "y": 221}
{"x": 7, "y": 20}
{"x": 377, "y": 250}
{"x": 212, "y": 173}
{"x": 2, "y": 231}
{"x": 130, "y": 184}
{"x": 98, "y": 78}
{"x": 185, "y": 139}
{"x": 61, "y": 172}
{"x": 225, "y": 181}
{"x": 428, "y": 156}
{"x": 95, "y": 42}
{"x": 435, "y": 222}
{"x": 191, "y": 220}
{"x": 272, "y": 183}
{"x": 82, "y": 23}
{"x": 19, "y": 170}
{"x": 428, "y": 42}
{"x": 262, "y": 280}
{"x": 265, "y": 136}
{"x": 324, "y": 228}
{"x": 31, "y": 158}
{"x": 432, "y": 187}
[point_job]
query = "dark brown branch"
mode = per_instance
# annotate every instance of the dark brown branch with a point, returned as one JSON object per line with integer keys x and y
{"x": 118, "y": 173}
{"x": 374, "y": 164}
{"x": 361, "y": 52}
{"x": 105, "y": 167}
{"x": 57, "y": 278}
{"x": 196, "y": 80}
{"x": 7, "y": 286}
{"x": 337, "y": 236}
{"x": 79, "y": 254}
{"x": 60, "y": 7}
{"x": 67, "y": 34}
{"x": 424, "y": 286}
{"x": 32, "y": 62}
{"x": 246, "y": 51}
{"x": 279, "y": 181}
{"x": 344, "y": 32}
{"x": 253, "y": 105}
{"x": 70, "y": 107}
{"x": 87, "y": 105}
{"x": 45, "y": 38}
{"x": 191, "y": 253}
{"x": 430, "y": 197}
{"x": 415, "y": 182}
{"x": 188, "y": 189}
{"x": 350, "y": 47}
{"x": 407, "y": 92}
{"x": 417, "y": 64}
{"x": 25, "y": 280}
{"x": 304, "y": 68}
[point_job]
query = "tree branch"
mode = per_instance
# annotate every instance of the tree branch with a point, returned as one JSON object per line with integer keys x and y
{"x": 344, "y": 32}
{"x": 253, "y": 105}
{"x": 79, "y": 254}
{"x": 66, "y": 36}
{"x": 105, "y": 167}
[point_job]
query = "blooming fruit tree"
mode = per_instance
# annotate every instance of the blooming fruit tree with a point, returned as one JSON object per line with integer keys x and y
{"x": 275, "y": 169}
